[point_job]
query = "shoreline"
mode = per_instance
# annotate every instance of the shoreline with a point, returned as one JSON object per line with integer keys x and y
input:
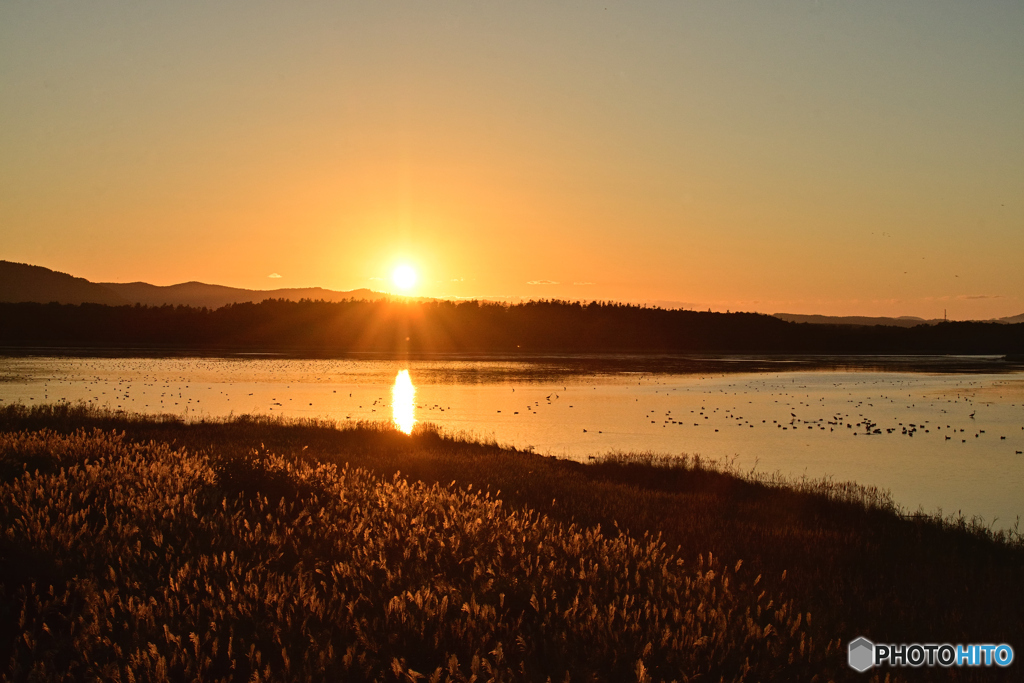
{"x": 581, "y": 363}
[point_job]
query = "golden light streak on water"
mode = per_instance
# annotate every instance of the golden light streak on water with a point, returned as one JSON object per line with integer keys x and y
{"x": 403, "y": 402}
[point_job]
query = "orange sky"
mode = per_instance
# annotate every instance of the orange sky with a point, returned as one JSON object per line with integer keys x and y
{"x": 808, "y": 157}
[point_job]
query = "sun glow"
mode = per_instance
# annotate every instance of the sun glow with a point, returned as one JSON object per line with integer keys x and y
{"x": 403, "y": 402}
{"x": 404, "y": 277}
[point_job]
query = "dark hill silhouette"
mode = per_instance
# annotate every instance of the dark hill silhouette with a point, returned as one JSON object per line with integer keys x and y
{"x": 902, "y": 321}
{"x": 25, "y": 283}
{"x": 22, "y": 282}
{"x": 200, "y": 295}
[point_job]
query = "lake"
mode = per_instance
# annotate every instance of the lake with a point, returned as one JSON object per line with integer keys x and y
{"x": 939, "y": 433}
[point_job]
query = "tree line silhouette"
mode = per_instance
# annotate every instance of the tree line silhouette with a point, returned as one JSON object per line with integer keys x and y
{"x": 546, "y": 326}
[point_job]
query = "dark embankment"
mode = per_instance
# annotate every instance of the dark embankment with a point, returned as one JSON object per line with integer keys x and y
{"x": 450, "y": 327}
{"x": 289, "y": 550}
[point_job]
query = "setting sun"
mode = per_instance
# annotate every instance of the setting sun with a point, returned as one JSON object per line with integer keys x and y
{"x": 404, "y": 277}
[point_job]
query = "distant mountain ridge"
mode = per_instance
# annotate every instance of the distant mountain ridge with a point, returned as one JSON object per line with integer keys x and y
{"x": 902, "y": 321}
{"x": 20, "y": 282}
{"x": 199, "y": 294}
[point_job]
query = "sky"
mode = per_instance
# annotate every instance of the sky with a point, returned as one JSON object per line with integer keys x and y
{"x": 818, "y": 156}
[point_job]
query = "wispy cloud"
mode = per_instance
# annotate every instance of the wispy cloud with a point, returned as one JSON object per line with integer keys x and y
{"x": 964, "y": 297}
{"x": 274, "y": 275}
{"x": 377, "y": 278}
{"x": 584, "y": 283}
{"x": 543, "y": 282}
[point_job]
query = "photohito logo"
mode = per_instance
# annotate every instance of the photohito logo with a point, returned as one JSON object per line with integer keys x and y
{"x": 863, "y": 654}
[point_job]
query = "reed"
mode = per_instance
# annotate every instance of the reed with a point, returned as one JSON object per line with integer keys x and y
{"x": 265, "y": 549}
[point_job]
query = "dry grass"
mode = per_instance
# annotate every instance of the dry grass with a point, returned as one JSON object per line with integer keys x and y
{"x": 342, "y": 557}
{"x": 131, "y": 562}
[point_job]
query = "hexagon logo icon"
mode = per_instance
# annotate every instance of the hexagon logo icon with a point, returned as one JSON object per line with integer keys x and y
{"x": 861, "y": 654}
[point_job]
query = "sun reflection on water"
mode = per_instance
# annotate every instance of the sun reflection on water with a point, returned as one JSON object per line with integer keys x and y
{"x": 403, "y": 402}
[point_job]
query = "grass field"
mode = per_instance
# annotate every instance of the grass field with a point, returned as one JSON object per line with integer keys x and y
{"x": 255, "y": 549}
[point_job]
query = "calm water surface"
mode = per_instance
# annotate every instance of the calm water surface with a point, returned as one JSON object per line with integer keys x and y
{"x": 938, "y": 440}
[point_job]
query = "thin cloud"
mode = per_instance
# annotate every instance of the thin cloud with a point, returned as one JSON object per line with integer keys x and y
{"x": 543, "y": 282}
{"x": 967, "y": 297}
{"x": 584, "y": 283}
{"x": 274, "y": 275}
